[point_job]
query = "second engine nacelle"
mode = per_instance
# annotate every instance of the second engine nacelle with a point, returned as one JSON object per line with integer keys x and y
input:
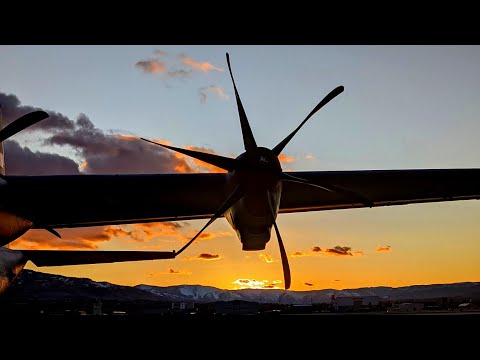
{"x": 12, "y": 227}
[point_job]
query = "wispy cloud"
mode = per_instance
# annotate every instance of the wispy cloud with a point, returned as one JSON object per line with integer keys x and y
{"x": 212, "y": 89}
{"x": 309, "y": 157}
{"x": 298, "y": 254}
{"x": 335, "y": 251}
{"x": 254, "y": 284}
{"x": 339, "y": 251}
{"x": 267, "y": 258}
{"x": 383, "y": 248}
{"x": 198, "y": 65}
{"x": 205, "y": 256}
{"x": 286, "y": 158}
{"x": 151, "y": 66}
{"x": 308, "y": 284}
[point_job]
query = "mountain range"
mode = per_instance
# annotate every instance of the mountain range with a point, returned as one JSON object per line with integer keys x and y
{"x": 32, "y": 285}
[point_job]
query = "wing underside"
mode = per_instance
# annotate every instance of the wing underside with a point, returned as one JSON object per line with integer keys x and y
{"x": 83, "y": 257}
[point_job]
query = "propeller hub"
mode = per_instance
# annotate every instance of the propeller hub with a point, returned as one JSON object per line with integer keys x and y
{"x": 259, "y": 170}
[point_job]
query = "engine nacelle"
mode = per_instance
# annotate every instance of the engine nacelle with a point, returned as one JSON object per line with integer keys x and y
{"x": 12, "y": 227}
{"x": 11, "y": 263}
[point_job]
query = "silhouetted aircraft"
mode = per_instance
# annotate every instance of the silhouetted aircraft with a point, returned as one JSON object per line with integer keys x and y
{"x": 250, "y": 196}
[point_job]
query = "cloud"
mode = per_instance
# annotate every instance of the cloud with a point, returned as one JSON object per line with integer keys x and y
{"x": 152, "y": 66}
{"x": 298, "y": 254}
{"x": 212, "y": 89}
{"x": 12, "y": 109}
{"x": 383, "y": 248}
{"x": 87, "y": 238}
{"x": 196, "y": 65}
{"x": 206, "y": 256}
{"x": 99, "y": 152}
{"x": 336, "y": 251}
{"x": 339, "y": 251}
{"x": 309, "y": 157}
{"x": 254, "y": 284}
{"x": 308, "y": 284}
{"x": 266, "y": 258}
{"x": 22, "y": 161}
{"x": 286, "y": 158}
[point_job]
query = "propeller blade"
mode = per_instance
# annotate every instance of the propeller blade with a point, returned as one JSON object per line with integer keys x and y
{"x": 22, "y": 123}
{"x": 248, "y": 139}
{"x": 278, "y": 149}
{"x": 222, "y": 162}
{"x": 332, "y": 188}
{"x": 283, "y": 253}
{"x": 232, "y": 199}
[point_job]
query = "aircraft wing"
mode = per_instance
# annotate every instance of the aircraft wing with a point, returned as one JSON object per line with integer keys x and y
{"x": 82, "y": 257}
{"x": 380, "y": 187}
{"x": 91, "y": 200}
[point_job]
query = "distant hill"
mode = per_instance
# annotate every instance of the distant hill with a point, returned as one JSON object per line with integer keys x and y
{"x": 37, "y": 286}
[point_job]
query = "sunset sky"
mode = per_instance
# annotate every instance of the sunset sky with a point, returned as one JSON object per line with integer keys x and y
{"x": 404, "y": 107}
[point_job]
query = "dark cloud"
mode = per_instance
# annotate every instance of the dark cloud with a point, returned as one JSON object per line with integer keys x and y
{"x": 171, "y": 271}
{"x": 22, "y": 161}
{"x": 316, "y": 249}
{"x": 101, "y": 152}
{"x": 207, "y": 256}
{"x": 12, "y": 109}
{"x": 308, "y": 284}
{"x": 339, "y": 251}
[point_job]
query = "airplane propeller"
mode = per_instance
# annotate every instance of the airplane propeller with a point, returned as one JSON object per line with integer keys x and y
{"x": 22, "y": 123}
{"x": 15, "y": 127}
{"x": 250, "y": 161}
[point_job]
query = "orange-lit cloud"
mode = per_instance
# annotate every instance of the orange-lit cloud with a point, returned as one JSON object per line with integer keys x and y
{"x": 383, "y": 248}
{"x": 254, "y": 284}
{"x": 358, "y": 253}
{"x": 212, "y": 89}
{"x": 316, "y": 249}
{"x": 196, "y": 65}
{"x": 151, "y": 66}
{"x": 286, "y": 158}
{"x": 339, "y": 251}
{"x": 308, "y": 284}
{"x": 267, "y": 258}
{"x": 72, "y": 239}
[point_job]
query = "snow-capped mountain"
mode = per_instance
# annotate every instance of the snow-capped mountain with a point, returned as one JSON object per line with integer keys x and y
{"x": 36, "y": 285}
